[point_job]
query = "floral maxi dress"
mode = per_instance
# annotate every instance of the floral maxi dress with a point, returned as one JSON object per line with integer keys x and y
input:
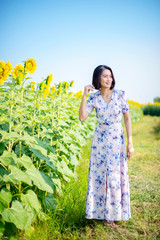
{"x": 108, "y": 193}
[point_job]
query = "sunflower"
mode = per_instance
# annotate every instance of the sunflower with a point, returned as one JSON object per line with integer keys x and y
{"x": 60, "y": 85}
{"x": 70, "y": 94}
{"x": 18, "y": 71}
{"x": 30, "y": 65}
{"x": 78, "y": 94}
{"x": 8, "y": 69}
{"x": 53, "y": 89}
{"x": 66, "y": 85}
{"x": 2, "y": 72}
{"x": 45, "y": 91}
{"x": 5, "y": 69}
{"x": 32, "y": 86}
{"x": 71, "y": 84}
{"x": 63, "y": 84}
{"x": 49, "y": 79}
{"x": 59, "y": 92}
{"x": 43, "y": 86}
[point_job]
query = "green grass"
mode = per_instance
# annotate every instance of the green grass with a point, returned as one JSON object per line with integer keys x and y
{"x": 69, "y": 222}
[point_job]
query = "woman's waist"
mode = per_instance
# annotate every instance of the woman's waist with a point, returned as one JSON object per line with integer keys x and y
{"x": 108, "y": 123}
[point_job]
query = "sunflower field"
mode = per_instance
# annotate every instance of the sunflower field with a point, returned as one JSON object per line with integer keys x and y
{"x": 152, "y": 109}
{"x": 40, "y": 141}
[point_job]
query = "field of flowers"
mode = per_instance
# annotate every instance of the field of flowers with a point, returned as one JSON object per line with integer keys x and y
{"x": 40, "y": 141}
{"x": 152, "y": 109}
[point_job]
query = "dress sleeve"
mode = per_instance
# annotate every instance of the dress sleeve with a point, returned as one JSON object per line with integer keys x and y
{"x": 90, "y": 103}
{"x": 125, "y": 104}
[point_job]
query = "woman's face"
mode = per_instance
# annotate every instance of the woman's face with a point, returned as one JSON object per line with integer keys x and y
{"x": 106, "y": 79}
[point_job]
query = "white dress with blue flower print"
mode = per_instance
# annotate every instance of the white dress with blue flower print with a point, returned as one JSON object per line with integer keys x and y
{"x": 108, "y": 193}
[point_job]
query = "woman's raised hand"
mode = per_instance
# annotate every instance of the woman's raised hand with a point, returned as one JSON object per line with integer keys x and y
{"x": 87, "y": 89}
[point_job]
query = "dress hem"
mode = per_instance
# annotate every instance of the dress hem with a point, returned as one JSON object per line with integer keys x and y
{"x": 109, "y": 219}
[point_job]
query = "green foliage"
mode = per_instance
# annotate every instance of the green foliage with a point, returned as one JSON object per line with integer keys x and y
{"x": 153, "y": 110}
{"x": 17, "y": 215}
{"x": 156, "y": 99}
{"x": 40, "y": 146}
{"x": 40, "y": 140}
{"x": 136, "y": 114}
{"x": 68, "y": 220}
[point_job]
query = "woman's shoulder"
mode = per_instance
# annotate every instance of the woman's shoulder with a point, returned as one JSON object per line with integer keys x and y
{"x": 120, "y": 92}
{"x": 94, "y": 94}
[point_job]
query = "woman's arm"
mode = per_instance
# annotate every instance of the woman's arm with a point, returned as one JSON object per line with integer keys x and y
{"x": 82, "y": 110}
{"x": 83, "y": 114}
{"x": 128, "y": 125}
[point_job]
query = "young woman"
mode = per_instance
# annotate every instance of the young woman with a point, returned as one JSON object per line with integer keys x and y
{"x": 108, "y": 193}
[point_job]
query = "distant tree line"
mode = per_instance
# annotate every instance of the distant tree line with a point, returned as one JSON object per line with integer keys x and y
{"x": 156, "y": 99}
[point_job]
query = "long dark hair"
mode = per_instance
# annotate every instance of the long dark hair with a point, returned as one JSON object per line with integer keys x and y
{"x": 97, "y": 74}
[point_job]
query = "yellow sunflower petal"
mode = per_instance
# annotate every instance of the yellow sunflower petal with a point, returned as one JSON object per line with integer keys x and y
{"x": 17, "y": 71}
{"x": 30, "y": 65}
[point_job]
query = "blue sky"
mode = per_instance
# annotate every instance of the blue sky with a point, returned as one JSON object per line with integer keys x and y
{"x": 71, "y": 38}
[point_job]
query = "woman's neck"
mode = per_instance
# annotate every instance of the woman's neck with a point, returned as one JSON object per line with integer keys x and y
{"x": 106, "y": 91}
